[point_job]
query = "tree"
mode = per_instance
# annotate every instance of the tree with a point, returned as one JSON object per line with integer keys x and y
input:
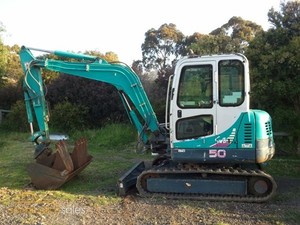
{"x": 160, "y": 50}
{"x": 288, "y": 18}
{"x": 3, "y": 57}
{"x": 275, "y": 62}
{"x": 161, "y": 47}
{"x": 238, "y": 28}
{"x": 108, "y": 56}
{"x": 232, "y": 37}
{"x": 213, "y": 44}
{"x": 10, "y": 76}
{"x": 13, "y": 71}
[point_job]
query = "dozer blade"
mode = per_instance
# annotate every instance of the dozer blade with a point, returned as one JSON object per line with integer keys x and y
{"x": 52, "y": 170}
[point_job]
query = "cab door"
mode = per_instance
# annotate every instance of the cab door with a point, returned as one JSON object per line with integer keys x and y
{"x": 193, "y": 101}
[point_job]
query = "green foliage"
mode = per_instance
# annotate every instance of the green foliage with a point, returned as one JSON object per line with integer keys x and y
{"x": 287, "y": 18}
{"x": 16, "y": 120}
{"x": 162, "y": 46}
{"x": 10, "y": 69}
{"x": 10, "y": 74}
{"x": 3, "y": 63}
{"x": 214, "y": 44}
{"x": 67, "y": 117}
{"x": 108, "y": 56}
{"x": 13, "y": 72}
{"x": 102, "y": 102}
{"x": 110, "y": 136}
{"x": 275, "y": 67}
{"x": 232, "y": 37}
{"x": 238, "y": 28}
{"x": 2, "y": 55}
{"x": 159, "y": 106}
{"x": 9, "y": 95}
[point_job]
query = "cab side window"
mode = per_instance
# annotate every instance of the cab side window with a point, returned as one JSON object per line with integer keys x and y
{"x": 231, "y": 83}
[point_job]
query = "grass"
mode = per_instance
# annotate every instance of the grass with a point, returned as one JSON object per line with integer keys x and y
{"x": 113, "y": 151}
{"x": 284, "y": 166}
{"x": 16, "y": 151}
{"x": 112, "y": 148}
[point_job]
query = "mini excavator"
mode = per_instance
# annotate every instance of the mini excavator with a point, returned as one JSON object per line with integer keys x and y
{"x": 210, "y": 147}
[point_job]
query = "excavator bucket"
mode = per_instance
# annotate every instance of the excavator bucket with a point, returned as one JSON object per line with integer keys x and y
{"x": 52, "y": 170}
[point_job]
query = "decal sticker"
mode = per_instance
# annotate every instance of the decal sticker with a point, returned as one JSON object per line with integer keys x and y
{"x": 220, "y": 153}
{"x": 225, "y": 142}
{"x": 246, "y": 145}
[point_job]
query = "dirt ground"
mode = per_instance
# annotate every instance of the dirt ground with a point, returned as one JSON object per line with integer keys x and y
{"x": 25, "y": 207}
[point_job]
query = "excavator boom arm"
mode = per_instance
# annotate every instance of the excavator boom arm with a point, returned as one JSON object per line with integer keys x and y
{"x": 119, "y": 75}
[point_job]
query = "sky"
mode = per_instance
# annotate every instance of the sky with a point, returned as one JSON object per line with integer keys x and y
{"x": 117, "y": 25}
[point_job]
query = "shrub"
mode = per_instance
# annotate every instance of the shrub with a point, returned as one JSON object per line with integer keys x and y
{"x": 9, "y": 95}
{"x": 102, "y": 100}
{"x": 16, "y": 120}
{"x": 66, "y": 116}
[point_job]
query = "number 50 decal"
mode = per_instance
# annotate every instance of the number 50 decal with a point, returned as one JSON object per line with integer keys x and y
{"x": 214, "y": 153}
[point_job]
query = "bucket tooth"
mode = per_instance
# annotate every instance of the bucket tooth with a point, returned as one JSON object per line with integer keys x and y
{"x": 52, "y": 170}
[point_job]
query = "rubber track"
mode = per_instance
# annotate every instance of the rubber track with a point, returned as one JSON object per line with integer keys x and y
{"x": 224, "y": 172}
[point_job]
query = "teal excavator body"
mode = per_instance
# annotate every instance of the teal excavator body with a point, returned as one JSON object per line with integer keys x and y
{"x": 211, "y": 145}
